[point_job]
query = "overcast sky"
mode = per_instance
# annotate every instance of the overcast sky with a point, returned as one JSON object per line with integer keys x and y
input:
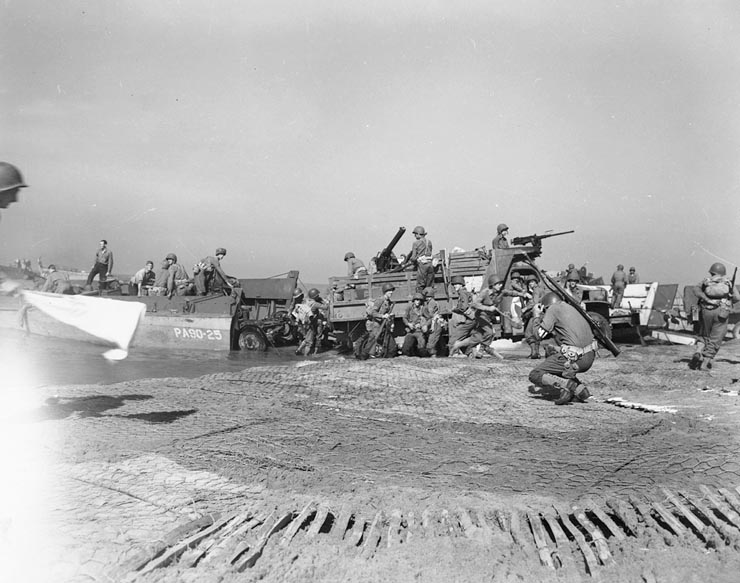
{"x": 293, "y": 132}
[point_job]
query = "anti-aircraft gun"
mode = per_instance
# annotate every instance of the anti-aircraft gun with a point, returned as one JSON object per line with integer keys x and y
{"x": 536, "y": 240}
{"x": 385, "y": 260}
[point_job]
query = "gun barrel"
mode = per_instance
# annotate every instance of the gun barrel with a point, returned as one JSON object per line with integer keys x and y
{"x": 394, "y": 241}
{"x": 535, "y": 239}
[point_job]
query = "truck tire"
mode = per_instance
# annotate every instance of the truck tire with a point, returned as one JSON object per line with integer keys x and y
{"x": 252, "y": 340}
{"x": 602, "y": 323}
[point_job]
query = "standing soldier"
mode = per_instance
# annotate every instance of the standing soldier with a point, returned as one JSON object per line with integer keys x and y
{"x": 619, "y": 282}
{"x": 355, "y": 267}
{"x": 315, "y": 323}
{"x": 379, "y": 320}
{"x": 531, "y": 323}
{"x": 633, "y": 277}
{"x": 420, "y": 257}
{"x": 103, "y": 264}
{"x": 414, "y": 343}
{"x": 434, "y": 319}
{"x": 716, "y": 295}
{"x": 577, "y": 350}
{"x": 11, "y": 182}
{"x": 462, "y": 321}
{"x": 205, "y": 272}
{"x": 500, "y": 241}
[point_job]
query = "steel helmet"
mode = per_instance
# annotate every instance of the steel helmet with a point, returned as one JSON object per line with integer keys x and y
{"x": 10, "y": 177}
{"x": 418, "y": 296}
{"x": 313, "y": 293}
{"x": 220, "y": 251}
{"x": 718, "y": 269}
{"x": 493, "y": 279}
{"x": 516, "y": 275}
{"x": 501, "y": 228}
{"x": 52, "y": 267}
{"x": 549, "y": 299}
{"x": 388, "y": 287}
{"x": 419, "y": 230}
{"x": 457, "y": 279}
{"x": 171, "y": 256}
{"x": 573, "y": 276}
{"x": 620, "y": 267}
{"x": 298, "y": 293}
{"x": 571, "y": 266}
{"x": 632, "y": 269}
{"x": 349, "y": 255}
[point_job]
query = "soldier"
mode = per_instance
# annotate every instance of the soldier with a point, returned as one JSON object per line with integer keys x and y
{"x": 434, "y": 319}
{"x": 205, "y": 272}
{"x": 632, "y": 277}
{"x": 315, "y": 323}
{"x": 379, "y": 322}
{"x": 420, "y": 257}
{"x": 577, "y": 349}
{"x": 716, "y": 295}
{"x": 159, "y": 288}
{"x": 486, "y": 305}
{"x": 500, "y": 241}
{"x": 355, "y": 267}
{"x": 143, "y": 280}
{"x": 462, "y": 321}
{"x": 536, "y": 291}
{"x": 619, "y": 281}
{"x": 414, "y": 343}
{"x": 57, "y": 283}
{"x": 11, "y": 182}
{"x": 571, "y": 286}
{"x": 103, "y": 265}
{"x": 178, "y": 280}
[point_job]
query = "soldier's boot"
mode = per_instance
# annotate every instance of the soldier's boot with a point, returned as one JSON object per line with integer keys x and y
{"x": 708, "y": 363}
{"x": 580, "y": 392}
{"x": 696, "y": 361}
{"x": 565, "y": 397}
{"x": 534, "y": 350}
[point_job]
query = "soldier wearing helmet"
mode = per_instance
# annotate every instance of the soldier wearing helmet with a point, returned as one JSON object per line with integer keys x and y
{"x": 619, "y": 282}
{"x": 416, "y": 323}
{"x": 378, "y": 339}
{"x": 536, "y": 290}
{"x": 11, "y": 182}
{"x": 420, "y": 257}
{"x": 556, "y": 375}
{"x": 315, "y": 323}
{"x": 103, "y": 265}
{"x": 717, "y": 294}
{"x": 208, "y": 275}
{"x": 632, "y": 276}
{"x": 500, "y": 241}
{"x": 159, "y": 288}
{"x": 462, "y": 320}
{"x": 486, "y": 305}
{"x": 178, "y": 280}
{"x": 436, "y": 322}
{"x": 355, "y": 267}
{"x": 571, "y": 286}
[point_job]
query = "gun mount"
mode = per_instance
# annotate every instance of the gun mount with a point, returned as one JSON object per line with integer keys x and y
{"x": 535, "y": 239}
{"x": 385, "y": 260}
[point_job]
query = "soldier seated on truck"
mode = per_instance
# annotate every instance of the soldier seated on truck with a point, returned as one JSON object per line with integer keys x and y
{"x": 355, "y": 267}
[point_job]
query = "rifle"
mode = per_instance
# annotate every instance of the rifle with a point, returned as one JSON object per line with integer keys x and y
{"x": 558, "y": 289}
{"x": 535, "y": 239}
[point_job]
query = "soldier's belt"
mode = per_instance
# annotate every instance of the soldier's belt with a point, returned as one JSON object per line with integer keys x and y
{"x": 575, "y": 352}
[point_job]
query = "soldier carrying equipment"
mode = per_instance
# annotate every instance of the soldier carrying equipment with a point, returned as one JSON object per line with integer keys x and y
{"x": 535, "y": 239}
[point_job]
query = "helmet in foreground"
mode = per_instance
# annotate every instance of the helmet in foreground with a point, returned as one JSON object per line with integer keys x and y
{"x": 10, "y": 177}
{"x": 313, "y": 293}
{"x": 549, "y": 299}
{"x": 718, "y": 269}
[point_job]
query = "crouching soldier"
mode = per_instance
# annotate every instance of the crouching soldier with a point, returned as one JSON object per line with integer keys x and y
{"x": 143, "y": 280}
{"x": 208, "y": 275}
{"x": 414, "y": 343}
{"x": 716, "y": 295}
{"x": 556, "y": 375}
{"x": 57, "y": 283}
{"x": 486, "y": 305}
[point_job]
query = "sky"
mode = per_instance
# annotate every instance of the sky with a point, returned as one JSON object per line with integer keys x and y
{"x": 293, "y": 132}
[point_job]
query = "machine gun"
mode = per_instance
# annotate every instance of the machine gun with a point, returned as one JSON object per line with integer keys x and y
{"x": 385, "y": 260}
{"x": 535, "y": 239}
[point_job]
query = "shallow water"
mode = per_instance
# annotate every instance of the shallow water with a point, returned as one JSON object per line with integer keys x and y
{"x": 31, "y": 361}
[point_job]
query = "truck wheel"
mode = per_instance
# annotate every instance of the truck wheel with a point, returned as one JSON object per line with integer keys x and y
{"x": 602, "y": 323}
{"x": 252, "y": 340}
